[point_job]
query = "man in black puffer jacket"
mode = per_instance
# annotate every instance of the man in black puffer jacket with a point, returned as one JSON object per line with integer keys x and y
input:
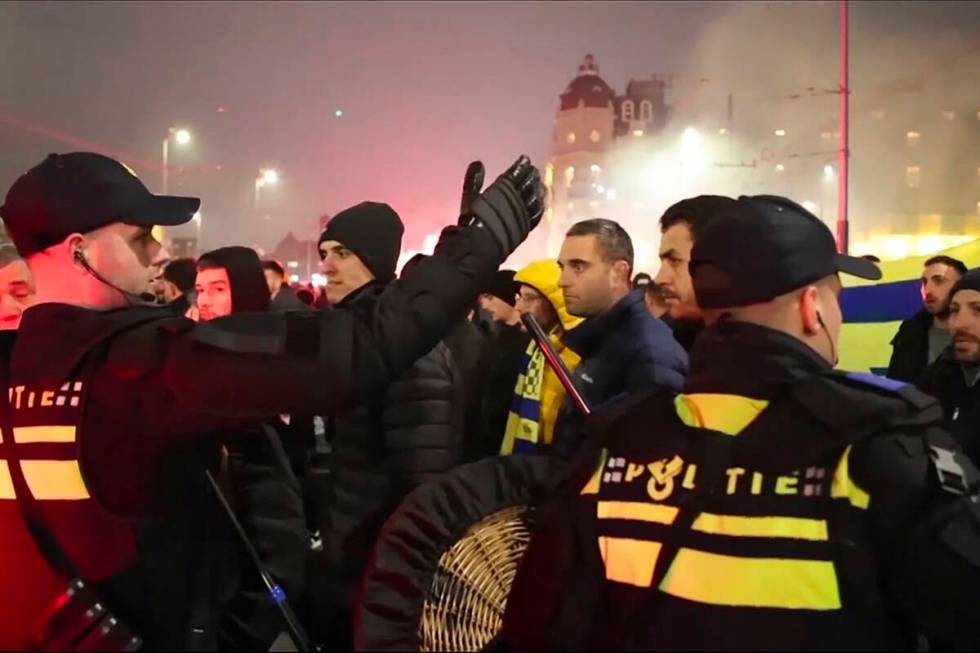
{"x": 410, "y": 435}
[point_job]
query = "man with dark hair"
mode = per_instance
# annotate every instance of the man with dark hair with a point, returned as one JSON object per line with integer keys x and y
{"x": 389, "y": 444}
{"x": 624, "y": 349}
{"x": 16, "y": 287}
{"x": 680, "y": 226}
{"x": 177, "y": 284}
{"x": 283, "y": 297}
{"x": 953, "y": 378}
{"x": 264, "y": 461}
{"x": 924, "y": 336}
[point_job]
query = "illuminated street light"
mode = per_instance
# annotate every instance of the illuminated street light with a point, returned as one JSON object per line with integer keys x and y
{"x": 182, "y": 137}
{"x": 270, "y": 176}
{"x": 780, "y": 132}
{"x": 780, "y": 167}
{"x": 828, "y": 172}
{"x": 267, "y": 177}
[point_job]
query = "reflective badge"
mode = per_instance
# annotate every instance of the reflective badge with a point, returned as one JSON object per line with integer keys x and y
{"x": 882, "y": 382}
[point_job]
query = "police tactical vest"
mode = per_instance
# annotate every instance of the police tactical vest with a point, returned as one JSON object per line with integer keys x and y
{"x": 738, "y": 523}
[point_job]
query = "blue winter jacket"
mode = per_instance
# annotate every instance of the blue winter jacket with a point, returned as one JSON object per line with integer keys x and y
{"x": 625, "y": 351}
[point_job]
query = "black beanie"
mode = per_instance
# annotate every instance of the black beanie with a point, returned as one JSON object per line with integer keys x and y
{"x": 249, "y": 290}
{"x": 373, "y": 231}
{"x": 503, "y": 286}
{"x": 969, "y": 281}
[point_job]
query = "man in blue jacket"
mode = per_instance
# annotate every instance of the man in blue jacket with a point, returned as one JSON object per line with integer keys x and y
{"x": 624, "y": 349}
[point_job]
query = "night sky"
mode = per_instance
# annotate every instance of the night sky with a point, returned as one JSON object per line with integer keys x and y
{"x": 425, "y": 87}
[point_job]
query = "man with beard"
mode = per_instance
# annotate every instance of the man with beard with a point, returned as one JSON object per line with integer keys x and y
{"x": 953, "y": 377}
{"x": 680, "y": 226}
{"x": 924, "y": 336}
{"x": 111, "y": 395}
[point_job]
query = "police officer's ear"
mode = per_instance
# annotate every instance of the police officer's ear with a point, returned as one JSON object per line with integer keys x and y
{"x": 74, "y": 248}
{"x": 810, "y": 310}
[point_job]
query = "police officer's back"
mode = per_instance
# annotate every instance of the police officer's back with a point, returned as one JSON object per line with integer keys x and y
{"x": 776, "y": 503}
{"x": 110, "y": 404}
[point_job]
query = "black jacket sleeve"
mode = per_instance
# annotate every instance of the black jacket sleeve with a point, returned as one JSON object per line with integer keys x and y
{"x": 927, "y": 536}
{"x": 262, "y": 364}
{"x": 422, "y": 421}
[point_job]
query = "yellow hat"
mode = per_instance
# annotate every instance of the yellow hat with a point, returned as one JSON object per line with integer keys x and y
{"x": 543, "y": 276}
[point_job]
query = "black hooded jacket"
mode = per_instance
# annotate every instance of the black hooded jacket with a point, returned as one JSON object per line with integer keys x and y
{"x": 411, "y": 434}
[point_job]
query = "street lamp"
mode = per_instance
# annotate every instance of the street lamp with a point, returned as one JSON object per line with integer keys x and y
{"x": 267, "y": 177}
{"x": 182, "y": 137}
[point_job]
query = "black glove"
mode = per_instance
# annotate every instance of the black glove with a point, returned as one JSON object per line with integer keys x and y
{"x": 510, "y": 208}
{"x": 472, "y": 185}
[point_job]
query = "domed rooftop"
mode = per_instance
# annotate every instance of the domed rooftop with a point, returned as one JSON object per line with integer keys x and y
{"x": 587, "y": 89}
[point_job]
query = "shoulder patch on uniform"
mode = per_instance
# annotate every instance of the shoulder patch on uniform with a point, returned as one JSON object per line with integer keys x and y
{"x": 881, "y": 382}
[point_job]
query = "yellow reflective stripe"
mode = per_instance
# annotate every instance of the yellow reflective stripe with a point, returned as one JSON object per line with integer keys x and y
{"x": 29, "y": 434}
{"x": 592, "y": 487}
{"x": 629, "y": 561}
{"x": 6, "y": 484}
{"x": 728, "y": 414}
{"x": 54, "y": 479}
{"x": 637, "y": 510}
{"x": 844, "y": 487}
{"x": 798, "y": 528}
{"x": 752, "y": 582}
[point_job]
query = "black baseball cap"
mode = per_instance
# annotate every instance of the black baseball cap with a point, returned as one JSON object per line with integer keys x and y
{"x": 80, "y": 192}
{"x": 763, "y": 247}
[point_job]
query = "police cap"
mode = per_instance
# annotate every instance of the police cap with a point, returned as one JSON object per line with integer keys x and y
{"x": 765, "y": 246}
{"x": 80, "y": 192}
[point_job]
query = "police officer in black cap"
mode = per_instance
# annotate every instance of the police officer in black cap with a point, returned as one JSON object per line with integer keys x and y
{"x": 111, "y": 399}
{"x": 776, "y": 504}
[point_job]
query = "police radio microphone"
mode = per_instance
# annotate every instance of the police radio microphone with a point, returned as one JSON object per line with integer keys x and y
{"x": 138, "y": 299}
{"x": 833, "y": 349}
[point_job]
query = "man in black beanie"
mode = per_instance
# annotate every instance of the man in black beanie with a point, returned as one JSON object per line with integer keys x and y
{"x": 500, "y": 297}
{"x": 409, "y": 435}
{"x": 953, "y": 378}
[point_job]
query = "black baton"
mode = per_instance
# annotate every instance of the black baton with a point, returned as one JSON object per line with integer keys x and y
{"x": 555, "y": 361}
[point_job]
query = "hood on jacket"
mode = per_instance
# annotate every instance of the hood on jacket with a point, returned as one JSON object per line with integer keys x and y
{"x": 543, "y": 276}
{"x": 249, "y": 290}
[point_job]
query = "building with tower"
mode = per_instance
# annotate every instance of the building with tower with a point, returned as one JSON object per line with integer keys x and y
{"x": 593, "y": 121}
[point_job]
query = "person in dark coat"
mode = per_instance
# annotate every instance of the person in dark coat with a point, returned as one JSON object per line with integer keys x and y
{"x": 624, "y": 349}
{"x": 283, "y": 297}
{"x": 177, "y": 281}
{"x": 923, "y": 337}
{"x": 406, "y": 436}
{"x": 953, "y": 377}
{"x": 262, "y": 468}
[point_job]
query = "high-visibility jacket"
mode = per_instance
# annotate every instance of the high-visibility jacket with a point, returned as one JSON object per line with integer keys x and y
{"x": 816, "y": 510}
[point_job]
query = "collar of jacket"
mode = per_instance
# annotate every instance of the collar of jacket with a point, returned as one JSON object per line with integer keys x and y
{"x": 370, "y": 289}
{"x": 588, "y": 336}
{"x": 750, "y": 360}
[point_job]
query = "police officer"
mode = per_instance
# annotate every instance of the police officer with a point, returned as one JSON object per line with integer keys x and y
{"x": 775, "y": 503}
{"x": 110, "y": 400}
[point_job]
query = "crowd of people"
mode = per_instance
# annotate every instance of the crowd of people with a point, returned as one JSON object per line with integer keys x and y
{"x": 735, "y": 492}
